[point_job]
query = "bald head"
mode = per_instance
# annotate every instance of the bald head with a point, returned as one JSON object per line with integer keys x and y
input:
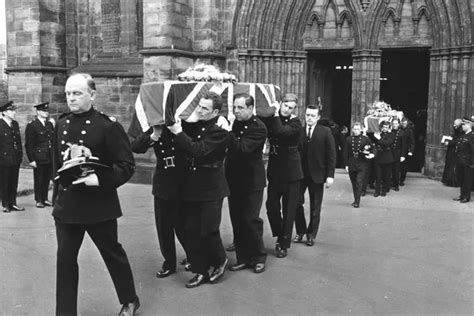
{"x": 80, "y": 92}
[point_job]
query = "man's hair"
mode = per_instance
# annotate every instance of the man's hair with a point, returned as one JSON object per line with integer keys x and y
{"x": 384, "y": 123}
{"x": 396, "y": 119}
{"x": 290, "y": 97}
{"x": 249, "y": 101}
{"x": 314, "y": 107}
{"x": 216, "y": 100}
{"x": 88, "y": 77}
{"x": 357, "y": 124}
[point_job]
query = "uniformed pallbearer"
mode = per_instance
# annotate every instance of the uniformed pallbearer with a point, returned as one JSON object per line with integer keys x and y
{"x": 38, "y": 145}
{"x": 245, "y": 173}
{"x": 465, "y": 161}
{"x": 11, "y": 155}
{"x": 91, "y": 203}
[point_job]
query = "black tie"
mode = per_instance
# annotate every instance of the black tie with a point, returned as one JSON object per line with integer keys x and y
{"x": 309, "y": 132}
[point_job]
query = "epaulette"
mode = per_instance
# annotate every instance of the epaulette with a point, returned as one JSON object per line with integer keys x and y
{"x": 64, "y": 115}
{"x": 111, "y": 118}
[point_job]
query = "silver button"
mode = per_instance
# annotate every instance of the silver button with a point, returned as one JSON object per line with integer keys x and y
{"x": 68, "y": 121}
{"x": 83, "y": 132}
{"x": 199, "y": 136}
{"x": 203, "y": 129}
{"x": 65, "y": 132}
{"x": 63, "y": 142}
{"x": 88, "y": 122}
{"x": 245, "y": 126}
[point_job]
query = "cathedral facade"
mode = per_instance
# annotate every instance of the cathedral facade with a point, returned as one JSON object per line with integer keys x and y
{"x": 417, "y": 55}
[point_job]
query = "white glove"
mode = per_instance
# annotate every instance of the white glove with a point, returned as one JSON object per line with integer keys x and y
{"x": 223, "y": 123}
{"x": 402, "y": 159}
{"x": 90, "y": 180}
{"x": 347, "y": 168}
{"x": 176, "y": 128}
{"x": 33, "y": 164}
{"x": 377, "y": 135}
{"x": 329, "y": 182}
{"x": 410, "y": 154}
{"x": 156, "y": 133}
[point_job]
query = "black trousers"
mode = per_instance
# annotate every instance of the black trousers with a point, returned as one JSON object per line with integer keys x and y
{"x": 382, "y": 171}
{"x": 404, "y": 169}
{"x": 244, "y": 209}
{"x": 396, "y": 167}
{"x": 464, "y": 175}
{"x": 9, "y": 185}
{"x": 104, "y": 236}
{"x": 42, "y": 175}
{"x": 203, "y": 238}
{"x": 316, "y": 192}
{"x": 358, "y": 177}
{"x": 281, "y": 218}
{"x": 170, "y": 220}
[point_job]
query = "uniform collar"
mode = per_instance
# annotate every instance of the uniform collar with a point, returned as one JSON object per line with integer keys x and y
{"x": 84, "y": 114}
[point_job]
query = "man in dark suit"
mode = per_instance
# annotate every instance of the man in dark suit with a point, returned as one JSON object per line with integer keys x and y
{"x": 409, "y": 139}
{"x": 283, "y": 172}
{"x": 245, "y": 175}
{"x": 398, "y": 151}
{"x": 204, "y": 144}
{"x": 465, "y": 161}
{"x": 11, "y": 155}
{"x": 318, "y": 160}
{"x": 167, "y": 183}
{"x": 38, "y": 145}
{"x": 357, "y": 155}
{"x": 90, "y": 204}
{"x": 383, "y": 159}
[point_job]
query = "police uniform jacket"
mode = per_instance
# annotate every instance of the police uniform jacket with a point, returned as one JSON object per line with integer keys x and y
{"x": 107, "y": 141}
{"x": 465, "y": 149}
{"x": 170, "y": 163}
{"x": 38, "y": 141}
{"x": 11, "y": 152}
{"x": 354, "y": 156}
{"x": 409, "y": 139}
{"x": 318, "y": 154}
{"x": 399, "y": 144}
{"x": 205, "y": 146}
{"x": 284, "y": 161}
{"x": 245, "y": 171}
{"x": 383, "y": 148}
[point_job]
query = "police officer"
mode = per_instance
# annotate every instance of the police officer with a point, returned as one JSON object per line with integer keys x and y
{"x": 91, "y": 203}
{"x": 357, "y": 155}
{"x": 465, "y": 161}
{"x": 409, "y": 140}
{"x": 245, "y": 173}
{"x": 204, "y": 144}
{"x": 383, "y": 158}
{"x": 167, "y": 183}
{"x": 398, "y": 151}
{"x": 284, "y": 171}
{"x": 38, "y": 145}
{"x": 11, "y": 155}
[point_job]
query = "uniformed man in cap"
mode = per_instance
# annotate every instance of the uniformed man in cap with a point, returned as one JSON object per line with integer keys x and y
{"x": 465, "y": 160}
{"x": 398, "y": 151}
{"x": 409, "y": 140}
{"x": 245, "y": 173}
{"x": 284, "y": 171}
{"x": 383, "y": 158}
{"x": 205, "y": 145}
{"x": 11, "y": 155}
{"x": 91, "y": 203}
{"x": 38, "y": 145}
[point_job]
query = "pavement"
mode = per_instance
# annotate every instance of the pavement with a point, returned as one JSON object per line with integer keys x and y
{"x": 410, "y": 253}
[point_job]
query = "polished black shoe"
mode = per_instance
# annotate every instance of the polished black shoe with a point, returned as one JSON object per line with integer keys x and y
{"x": 218, "y": 272}
{"x": 6, "y": 210}
{"x": 376, "y": 194}
{"x": 383, "y": 194}
{"x": 363, "y": 193}
{"x": 17, "y": 208}
{"x": 464, "y": 201}
{"x": 459, "y": 198}
{"x": 239, "y": 266}
{"x": 130, "y": 308}
{"x": 197, "y": 280}
{"x": 187, "y": 267}
{"x": 298, "y": 238}
{"x": 47, "y": 203}
{"x": 402, "y": 183}
{"x": 396, "y": 189}
{"x": 163, "y": 273}
{"x": 231, "y": 247}
{"x": 259, "y": 268}
{"x": 310, "y": 242}
{"x": 355, "y": 204}
{"x": 281, "y": 253}
{"x": 39, "y": 204}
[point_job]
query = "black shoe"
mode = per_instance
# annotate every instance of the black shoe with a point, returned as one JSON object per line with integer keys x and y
{"x": 231, "y": 247}
{"x": 218, "y": 272}
{"x": 130, "y": 308}
{"x": 163, "y": 273}
{"x": 47, "y": 203}
{"x": 259, "y": 268}
{"x": 197, "y": 280}
{"x": 281, "y": 253}
{"x": 355, "y": 204}
{"x": 396, "y": 189}
{"x": 363, "y": 193}
{"x": 17, "y": 208}
{"x": 376, "y": 194}
{"x": 310, "y": 242}
{"x": 402, "y": 183}
{"x": 464, "y": 201}
{"x": 298, "y": 238}
{"x": 187, "y": 267}
{"x": 39, "y": 204}
{"x": 459, "y": 198}
{"x": 6, "y": 210}
{"x": 239, "y": 266}
{"x": 383, "y": 194}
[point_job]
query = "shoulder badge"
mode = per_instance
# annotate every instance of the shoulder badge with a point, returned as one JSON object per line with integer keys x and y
{"x": 111, "y": 118}
{"x": 64, "y": 115}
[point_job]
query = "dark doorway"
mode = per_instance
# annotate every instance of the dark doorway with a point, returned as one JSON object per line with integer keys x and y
{"x": 330, "y": 81}
{"x": 404, "y": 84}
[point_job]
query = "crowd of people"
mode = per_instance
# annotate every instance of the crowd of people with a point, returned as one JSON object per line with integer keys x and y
{"x": 198, "y": 165}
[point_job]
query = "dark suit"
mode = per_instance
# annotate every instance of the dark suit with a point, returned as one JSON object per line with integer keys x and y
{"x": 465, "y": 163}
{"x": 11, "y": 155}
{"x": 284, "y": 174}
{"x": 398, "y": 150}
{"x": 245, "y": 173}
{"x": 167, "y": 182}
{"x": 38, "y": 145}
{"x": 357, "y": 163}
{"x": 92, "y": 209}
{"x": 383, "y": 162}
{"x": 204, "y": 188}
{"x": 318, "y": 160}
{"x": 409, "y": 140}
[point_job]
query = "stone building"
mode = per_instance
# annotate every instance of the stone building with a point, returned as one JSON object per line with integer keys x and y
{"x": 415, "y": 54}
